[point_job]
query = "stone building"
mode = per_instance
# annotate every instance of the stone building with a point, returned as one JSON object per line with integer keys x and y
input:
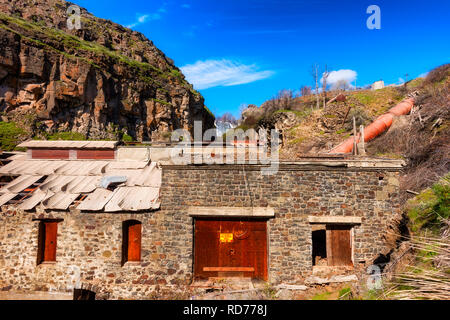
{"x": 90, "y": 217}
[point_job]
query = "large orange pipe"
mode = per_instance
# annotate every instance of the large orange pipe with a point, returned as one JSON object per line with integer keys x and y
{"x": 380, "y": 125}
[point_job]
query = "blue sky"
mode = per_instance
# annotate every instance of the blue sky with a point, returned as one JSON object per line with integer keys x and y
{"x": 244, "y": 51}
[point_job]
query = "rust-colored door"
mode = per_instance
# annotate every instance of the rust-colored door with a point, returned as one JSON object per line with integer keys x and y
{"x": 134, "y": 241}
{"x": 51, "y": 230}
{"x": 339, "y": 247}
{"x": 230, "y": 248}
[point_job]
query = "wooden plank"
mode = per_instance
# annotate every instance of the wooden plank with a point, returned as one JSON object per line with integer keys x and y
{"x": 245, "y": 253}
{"x": 231, "y": 269}
{"x": 51, "y": 230}
{"x": 134, "y": 241}
{"x": 50, "y": 154}
{"x": 339, "y": 240}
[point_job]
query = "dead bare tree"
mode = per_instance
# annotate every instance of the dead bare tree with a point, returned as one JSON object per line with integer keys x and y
{"x": 325, "y": 75}
{"x": 342, "y": 85}
{"x": 285, "y": 98}
{"x": 315, "y": 75}
{"x": 305, "y": 90}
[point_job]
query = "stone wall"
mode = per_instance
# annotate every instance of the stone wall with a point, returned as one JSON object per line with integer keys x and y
{"x": 89, "y": 244}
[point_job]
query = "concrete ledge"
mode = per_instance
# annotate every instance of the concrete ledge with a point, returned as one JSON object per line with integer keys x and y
{"x": 334, "y": 219}
{"x": 231, "y": 212}
{"x": 333, "y": 279}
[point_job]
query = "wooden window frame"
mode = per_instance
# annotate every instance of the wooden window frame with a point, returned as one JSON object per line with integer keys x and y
{"x": 131, "y": 250}
{"x": 47, "y": 241}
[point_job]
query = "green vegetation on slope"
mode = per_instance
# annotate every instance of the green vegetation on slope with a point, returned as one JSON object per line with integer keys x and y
{"x": 427, "y": 210}
{"x": 10, "y": 135}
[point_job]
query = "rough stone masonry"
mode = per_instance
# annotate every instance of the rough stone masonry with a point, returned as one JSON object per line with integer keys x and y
{"x": 89, "y": 244}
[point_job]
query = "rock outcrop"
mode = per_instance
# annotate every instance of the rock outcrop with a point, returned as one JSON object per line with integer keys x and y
{"x": 102, "y": 80}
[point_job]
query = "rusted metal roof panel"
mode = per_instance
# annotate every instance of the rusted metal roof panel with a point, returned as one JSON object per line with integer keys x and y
{"x": 60, "y": 201}
{"x": 133, "y": 199}
{"x": 4, "y": 198}
{"x": 35, "y": 199}
{"x": 69, "y": 144}
{"x": 96, "y": 201}
{"x": 19, "y": 184}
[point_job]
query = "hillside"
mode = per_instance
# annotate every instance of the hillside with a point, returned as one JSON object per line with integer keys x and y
{"x": 101, "y": 81}
{"x": 417, "y": 266}
{"x": 421, "y": 138}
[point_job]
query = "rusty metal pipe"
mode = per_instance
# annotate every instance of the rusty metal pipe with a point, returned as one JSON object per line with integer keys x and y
{"x": 380, "y": 125}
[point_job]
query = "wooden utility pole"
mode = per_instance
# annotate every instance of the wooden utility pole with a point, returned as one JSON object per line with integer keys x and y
{"x": 361, "y": 144}
{"x": 315, "y": 74}
{"x": 355, "y": 147}
{"x": 324, "y": 86}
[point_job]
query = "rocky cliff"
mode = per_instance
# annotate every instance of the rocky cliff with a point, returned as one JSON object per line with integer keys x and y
{"x": 102, "y": 80}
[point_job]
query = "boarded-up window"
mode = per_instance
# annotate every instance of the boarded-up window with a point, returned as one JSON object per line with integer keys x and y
{"x": 95, "y": 154}
{"x": 48, "y": 231}
{"x": 50, "y": 154}
{"x": 131, "y": 245}
{"x": 339, "y": 247}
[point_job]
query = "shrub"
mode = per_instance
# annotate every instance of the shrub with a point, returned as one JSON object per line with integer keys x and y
{"x": 430, "y": 207}
{"x": 10, "y": 135}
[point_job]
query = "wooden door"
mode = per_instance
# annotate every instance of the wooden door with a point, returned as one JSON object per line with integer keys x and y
{"x": 134, "y": 241}
{"x": 50, "y": 231}
{"x": 230, "y": 248}
{"x": 339, "y": 247}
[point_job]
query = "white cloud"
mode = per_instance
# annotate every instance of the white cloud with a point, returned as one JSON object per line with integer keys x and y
{"x": 344, "y": 74}
{"x": 214, "y": 73}
{"x": 146, "y": 18}
{"x": 422, "y": 75}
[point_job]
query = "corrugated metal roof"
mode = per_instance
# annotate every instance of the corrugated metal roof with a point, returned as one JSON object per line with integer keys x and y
{"x": 133, "y": 199}
{"x": 67, "y": 179}
{"x": 82, "y": 168}
{"x": 114, "y": 165}
{"x": 31, "y": 167}
{"x": 83, "y": 184}
{"x": 56, "y": 183}
{"x": 150, "y": 176}
{"x": 65, "y": 144}
{"x": 96, "y": 201}
{"x": 37, "y": 197}
{"x": 19, "y": 184}
{"x": 4, "y": 198}
{"x": 18, "y": 156}
{"x": 60, "y": 201}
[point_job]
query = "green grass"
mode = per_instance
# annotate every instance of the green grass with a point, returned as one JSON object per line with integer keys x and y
{"x": 364, "y": 98}
{"x": 300, "y": 114}
{"x": 66, "y": 136}
{"x": 345, "y": 294}
{"x": 209, "y": 111}
{"x": 427, "y": 209}
{"x": 162, "y": 102}
{"x": 322, "y": 296}
{"x": 127, "y": 138}
{"x": 10, "y": 135}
